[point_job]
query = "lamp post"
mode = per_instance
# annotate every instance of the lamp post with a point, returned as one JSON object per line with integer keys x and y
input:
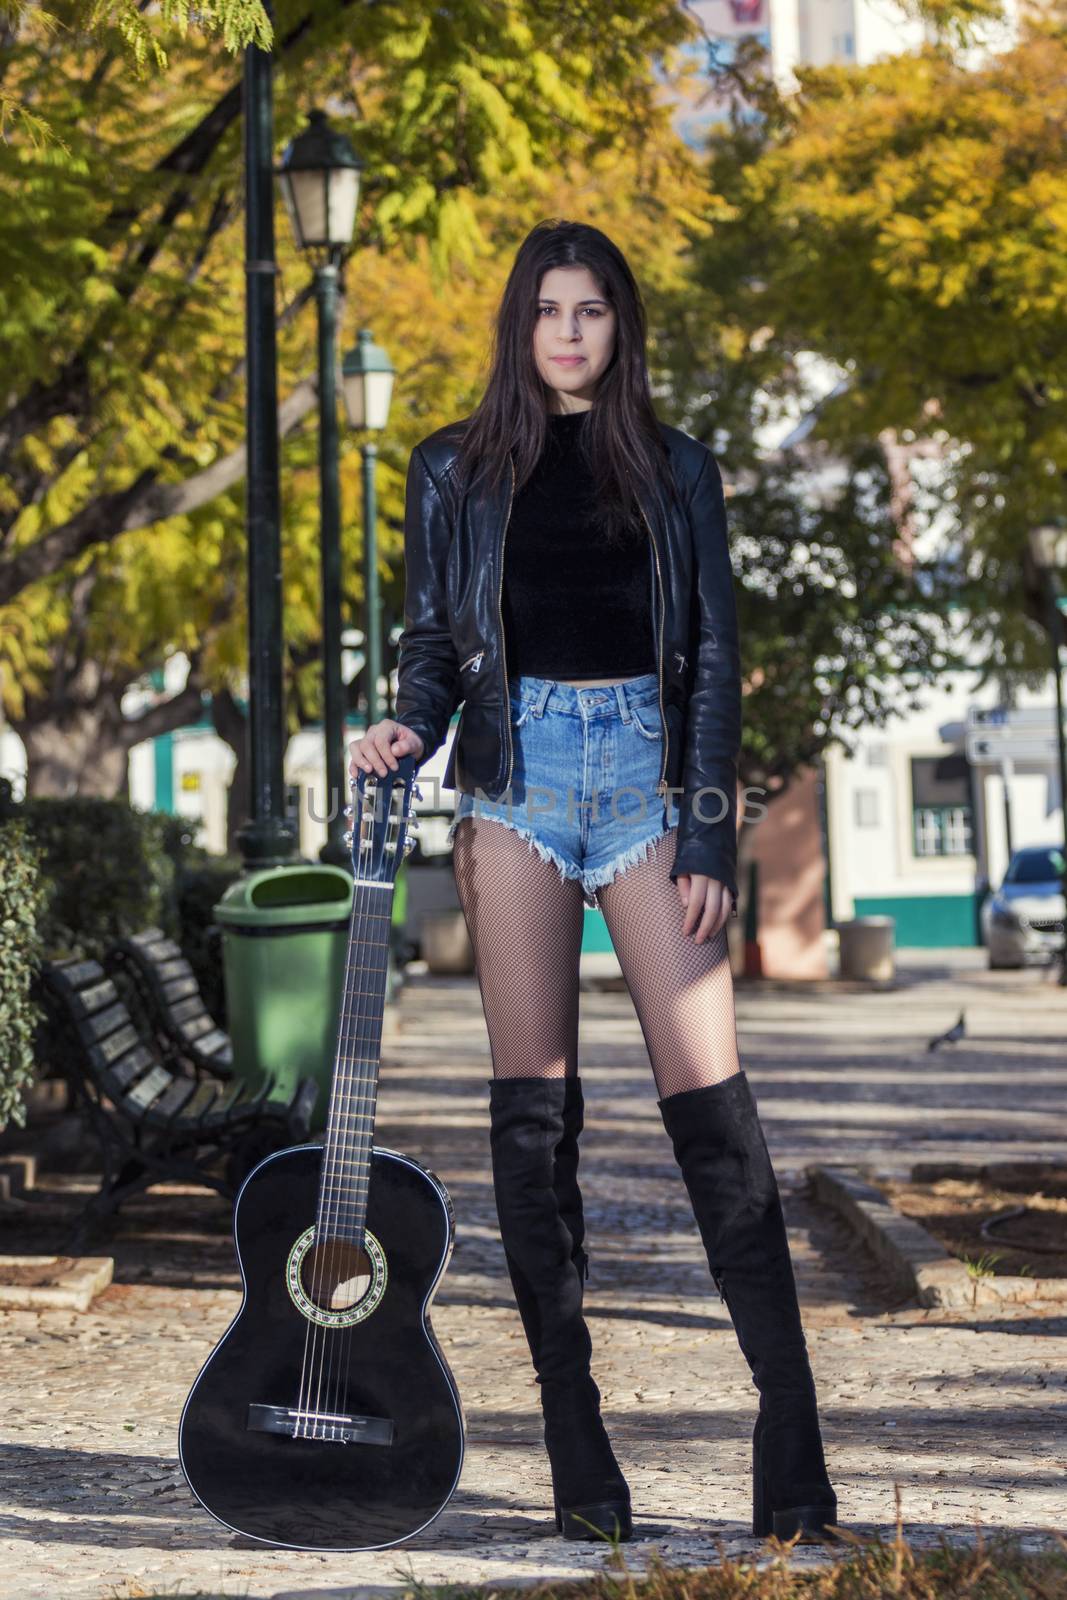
{"x": 319, "y": 175}
{"x": 367, "y": 380}
{"x": 1048, "y": 547}
{"x": 265, "y": 838}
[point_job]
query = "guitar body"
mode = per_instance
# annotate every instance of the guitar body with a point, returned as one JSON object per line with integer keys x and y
{"x": 389, "y": 1465}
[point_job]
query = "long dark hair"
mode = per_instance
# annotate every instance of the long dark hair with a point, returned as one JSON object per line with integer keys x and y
{"x": 621, "y": 435}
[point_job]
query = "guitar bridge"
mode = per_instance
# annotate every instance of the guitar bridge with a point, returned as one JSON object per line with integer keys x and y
{"x": 338, "y": 1427}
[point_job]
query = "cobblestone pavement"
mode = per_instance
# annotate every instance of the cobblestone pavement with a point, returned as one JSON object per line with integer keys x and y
{"x": 965, "y": 1412}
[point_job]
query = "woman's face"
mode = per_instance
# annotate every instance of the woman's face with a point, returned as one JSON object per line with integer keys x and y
{"x": 574, "y": 336}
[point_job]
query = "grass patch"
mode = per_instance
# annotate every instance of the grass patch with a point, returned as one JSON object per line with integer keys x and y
{"x": 990, "y": 1568}
{"x": 993, "y": 1567}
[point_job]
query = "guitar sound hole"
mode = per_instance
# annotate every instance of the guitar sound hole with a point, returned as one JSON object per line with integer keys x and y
{"x": 336, "y": 1274}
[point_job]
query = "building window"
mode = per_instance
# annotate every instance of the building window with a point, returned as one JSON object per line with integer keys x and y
{"x": 941, "y": 808}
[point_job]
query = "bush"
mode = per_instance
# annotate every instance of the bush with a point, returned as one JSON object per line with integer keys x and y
{"x": 110, "y": 868}
{"x": 23, "y": 897}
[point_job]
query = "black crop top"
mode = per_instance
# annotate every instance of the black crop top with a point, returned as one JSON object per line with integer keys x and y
{"x": 573, "y": 605}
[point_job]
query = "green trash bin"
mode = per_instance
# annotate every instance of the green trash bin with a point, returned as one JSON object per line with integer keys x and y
{"x": 284, "y": 942}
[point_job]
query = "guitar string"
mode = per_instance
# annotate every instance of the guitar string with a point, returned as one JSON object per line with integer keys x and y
{"x": 334, "y": 1180}
{"x": 307, "y": 1368}
{"x": 362, "y": 1111}
{"x": 333, "y": 1174}
{"x": 368, "y": 1036}
{"x": 336, "y": 1343}
{"x": 318, "y": 1274}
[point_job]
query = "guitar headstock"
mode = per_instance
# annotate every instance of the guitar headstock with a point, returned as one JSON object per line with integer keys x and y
{"x": 383, "y": 824}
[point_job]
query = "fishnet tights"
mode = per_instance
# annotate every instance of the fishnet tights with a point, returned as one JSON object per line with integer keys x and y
{"x": 526, "y": 928}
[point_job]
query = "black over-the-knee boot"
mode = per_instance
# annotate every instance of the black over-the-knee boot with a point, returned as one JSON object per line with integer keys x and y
{"x": 719, "y": 1145}
{"x": 536, "y": 1197}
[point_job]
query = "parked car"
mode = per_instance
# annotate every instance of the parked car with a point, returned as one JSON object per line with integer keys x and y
{"x": 1023, "y": 921}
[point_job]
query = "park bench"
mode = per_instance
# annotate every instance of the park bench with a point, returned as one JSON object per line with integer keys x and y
{"x": 155, "y": 1125}
{"x": 171, "y": 1003}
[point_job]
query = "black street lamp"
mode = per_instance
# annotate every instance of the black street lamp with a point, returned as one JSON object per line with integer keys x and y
{"x": 1048, "y": 547}
{"x": 265, "y": 838}
{"x": 367, "y": 381}
{"x": 319, "y": 175}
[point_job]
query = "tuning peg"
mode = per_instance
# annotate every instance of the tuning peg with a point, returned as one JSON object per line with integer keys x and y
{"x": 348, "y": 812}
{"x": 417, "y": 792}
{"x": 348, "y": 839}
{"x": 409, "y": 844}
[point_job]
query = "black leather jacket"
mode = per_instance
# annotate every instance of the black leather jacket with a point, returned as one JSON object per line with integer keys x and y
{"x": 452, "y": 646}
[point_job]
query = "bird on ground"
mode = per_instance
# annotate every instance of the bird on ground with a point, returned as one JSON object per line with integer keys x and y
{"x": 953, "y": 1034}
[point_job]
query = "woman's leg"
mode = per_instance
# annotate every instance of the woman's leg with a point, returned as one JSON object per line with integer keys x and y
{"x": 683, "y": 995}
{"x": 683, "y": 992}
{"x": 525, "y": 925}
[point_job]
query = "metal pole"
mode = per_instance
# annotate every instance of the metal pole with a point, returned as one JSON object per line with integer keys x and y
{"x": 334, "y": 849}
{"x": 1007, "y": 773}
{"x": 1054, "y": 626}
{"x": 266, "y": 838}
{"x": 373, "y": 627}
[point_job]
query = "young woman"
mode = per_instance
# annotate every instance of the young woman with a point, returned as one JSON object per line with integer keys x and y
{"x": 568, "y": 581}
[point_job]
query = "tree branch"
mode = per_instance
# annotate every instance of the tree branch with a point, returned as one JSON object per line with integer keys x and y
{"x": 145, "y": 501}
{"x": 188, "y": 160}
{"x": 181, "y": 709}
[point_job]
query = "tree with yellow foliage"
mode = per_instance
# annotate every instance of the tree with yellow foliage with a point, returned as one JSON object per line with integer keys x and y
{"x": 121, "y": 436}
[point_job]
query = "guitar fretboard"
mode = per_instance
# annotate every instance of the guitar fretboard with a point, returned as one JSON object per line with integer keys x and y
{"x": 343, "y": 1187}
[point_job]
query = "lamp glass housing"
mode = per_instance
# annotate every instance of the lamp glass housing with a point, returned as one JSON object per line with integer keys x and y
{"x": 367, "y": 384}
{"x": 322, "y": 206}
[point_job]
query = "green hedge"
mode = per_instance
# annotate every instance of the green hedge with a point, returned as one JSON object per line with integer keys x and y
{"x": 23, "y": 898}
{"x": 111, "y": 870}
{"x": 108, "y": 870}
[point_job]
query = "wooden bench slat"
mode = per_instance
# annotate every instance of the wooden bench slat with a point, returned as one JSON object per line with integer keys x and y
{"x": 173, "y": 1101}
{"x": 231, "y": 1099}
{"x": 149, "y": 1088}
{"x": 76, "y": 973}
{"x": 193, "y": 1007}
{"x": 126, "y": 1069}
{"x": 86, "y": 1002}
{"x": 106, "y": 1052}
{"x": 198, "y": 1108}
{"x": 195, "y": 1029}
{"x": 176, "y": 967}
{"x": 176, "y": 989}
{"x": 215, "y": 1044}
{"x": 101, "y": 1023}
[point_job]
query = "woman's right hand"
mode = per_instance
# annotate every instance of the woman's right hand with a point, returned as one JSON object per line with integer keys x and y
{"x": 381, "y": 747}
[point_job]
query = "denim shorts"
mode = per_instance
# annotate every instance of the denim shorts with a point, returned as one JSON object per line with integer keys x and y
{"x": 583, "y": 784}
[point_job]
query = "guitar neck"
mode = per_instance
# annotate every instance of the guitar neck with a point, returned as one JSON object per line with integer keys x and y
{"x": 342, "y": 1204}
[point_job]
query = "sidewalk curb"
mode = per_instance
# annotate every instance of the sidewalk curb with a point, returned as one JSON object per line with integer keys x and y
{"x": 914, "y": 1256}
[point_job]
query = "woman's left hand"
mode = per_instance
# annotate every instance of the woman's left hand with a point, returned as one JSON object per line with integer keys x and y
{"x": 706, "y": 902}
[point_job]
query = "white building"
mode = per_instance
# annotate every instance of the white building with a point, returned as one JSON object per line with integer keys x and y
{"x": 814, "y": 32}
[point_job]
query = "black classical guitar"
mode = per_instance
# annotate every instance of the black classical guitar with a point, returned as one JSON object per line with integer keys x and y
{"x": 327, "y": 1418}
